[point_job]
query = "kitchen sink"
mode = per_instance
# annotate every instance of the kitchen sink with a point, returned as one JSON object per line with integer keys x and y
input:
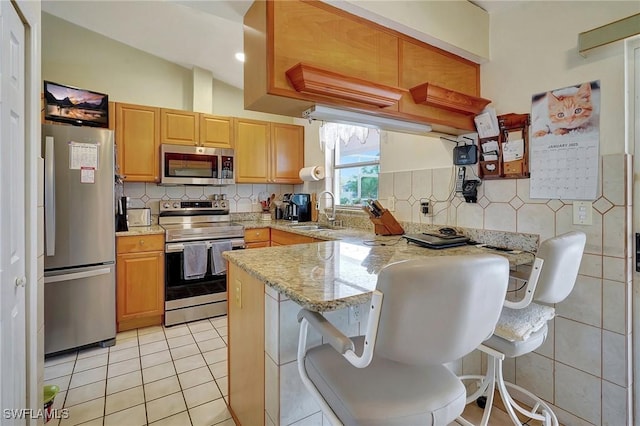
{"x": 303, "y": 227}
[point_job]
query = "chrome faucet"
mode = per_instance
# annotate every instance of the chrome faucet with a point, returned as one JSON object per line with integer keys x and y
{"x": 331, "y": 218}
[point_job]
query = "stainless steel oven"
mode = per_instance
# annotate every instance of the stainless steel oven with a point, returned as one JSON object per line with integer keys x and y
{"x": 205, "y": 223}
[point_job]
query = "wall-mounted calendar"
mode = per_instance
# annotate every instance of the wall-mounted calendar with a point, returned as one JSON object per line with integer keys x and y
{"x": 565, "y": 141}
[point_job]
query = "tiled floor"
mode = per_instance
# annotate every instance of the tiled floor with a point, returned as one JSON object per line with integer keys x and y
{"x": 154, "y": 375}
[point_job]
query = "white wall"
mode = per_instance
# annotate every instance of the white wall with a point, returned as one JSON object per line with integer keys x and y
{"x": 79, "y": 57}
{"x": 534, "y": 49}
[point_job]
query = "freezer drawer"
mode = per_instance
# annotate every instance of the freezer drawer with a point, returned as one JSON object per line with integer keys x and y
{"x": 79, "y": 307}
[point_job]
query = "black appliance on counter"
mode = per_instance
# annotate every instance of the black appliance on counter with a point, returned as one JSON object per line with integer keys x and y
{"x": 297, "y": 207}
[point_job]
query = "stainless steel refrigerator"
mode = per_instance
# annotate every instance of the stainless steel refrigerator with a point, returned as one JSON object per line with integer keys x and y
{"x": 79, "y": 262}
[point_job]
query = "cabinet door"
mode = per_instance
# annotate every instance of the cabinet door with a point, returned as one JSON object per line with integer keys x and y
{"x": 140, "y": 285}
{"x": 179, "y": 127}
{"x": 285, "y": 238}
{"x": 138, "y": 142}
{"x": 252, "y": 151}
{"x": 287, "y": 152}
{"x": 216, "y": 132}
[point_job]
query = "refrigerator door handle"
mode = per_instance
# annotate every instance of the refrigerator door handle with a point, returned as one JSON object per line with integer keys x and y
{"x": 49, "y": 197}
{"x": 76, "y": 275}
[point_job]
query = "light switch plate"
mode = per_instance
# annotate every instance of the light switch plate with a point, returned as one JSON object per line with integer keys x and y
{"x": 582, "y": 213}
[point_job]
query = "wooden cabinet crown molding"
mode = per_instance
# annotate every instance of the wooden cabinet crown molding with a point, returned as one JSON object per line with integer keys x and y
{"x": 309, "y": 79}
{"x": 430, "y": 94}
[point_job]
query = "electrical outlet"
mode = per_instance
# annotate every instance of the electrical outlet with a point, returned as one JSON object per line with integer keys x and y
{"x": 582, "y": 213}
{"x": 391, "y": 203}
{"x": 425, "y": 208}
{"x": 354, "y": 314}
{"x": 238, "y": 293}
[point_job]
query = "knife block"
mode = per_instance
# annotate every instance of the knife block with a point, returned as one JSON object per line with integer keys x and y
{"x": 386, "y": 224}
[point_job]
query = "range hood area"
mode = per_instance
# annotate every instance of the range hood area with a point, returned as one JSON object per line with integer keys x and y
{"x": 301, "y": 62}
{"x": 336, "y": 115}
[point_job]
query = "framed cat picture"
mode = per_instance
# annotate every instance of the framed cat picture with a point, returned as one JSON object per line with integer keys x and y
{"x": 565, "y": 141}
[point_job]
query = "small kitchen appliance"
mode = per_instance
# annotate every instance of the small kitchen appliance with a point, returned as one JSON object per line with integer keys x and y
{"x": 190, "y": 226}
{"x": 297, "y": 207}
{"x": 196, "y": 165}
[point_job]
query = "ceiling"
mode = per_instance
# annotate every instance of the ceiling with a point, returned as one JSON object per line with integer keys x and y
{"x": 204, "y": 34}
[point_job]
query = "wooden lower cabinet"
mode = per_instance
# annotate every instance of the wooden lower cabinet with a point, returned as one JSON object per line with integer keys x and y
{"x": 139, "y": 281}
{"x": 282, "y": 238}
{"x": 257, "y": 237}
{"x": 246, "y": 347}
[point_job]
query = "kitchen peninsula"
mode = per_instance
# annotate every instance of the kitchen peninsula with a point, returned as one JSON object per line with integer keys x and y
{"x": 266, "y": 289}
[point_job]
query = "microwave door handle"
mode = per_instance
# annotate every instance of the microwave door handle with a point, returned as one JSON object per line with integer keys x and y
{"x": 50, "y": 197}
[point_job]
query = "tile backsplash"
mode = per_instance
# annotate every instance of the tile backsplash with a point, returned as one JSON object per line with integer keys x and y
{"x": 242, "y": 197}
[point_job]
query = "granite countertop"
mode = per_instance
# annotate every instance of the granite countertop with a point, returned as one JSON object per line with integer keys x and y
{"x": 331, "y": 275}
{"x": 141, "y": 230}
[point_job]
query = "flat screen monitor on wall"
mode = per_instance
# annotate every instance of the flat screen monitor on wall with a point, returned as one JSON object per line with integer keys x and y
{"x": 75, "y": 106}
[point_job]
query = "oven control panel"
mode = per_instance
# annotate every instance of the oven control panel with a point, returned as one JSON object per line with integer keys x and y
{"x": 191, "y": 205}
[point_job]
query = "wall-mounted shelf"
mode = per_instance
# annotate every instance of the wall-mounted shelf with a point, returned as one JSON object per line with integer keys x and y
{"x": 492, "y": 165}
{"x": 430, "y": 94}
{"x": 309, "y": 79}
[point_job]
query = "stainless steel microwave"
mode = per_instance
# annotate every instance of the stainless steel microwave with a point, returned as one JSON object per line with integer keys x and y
{"x": 196, "y": 165}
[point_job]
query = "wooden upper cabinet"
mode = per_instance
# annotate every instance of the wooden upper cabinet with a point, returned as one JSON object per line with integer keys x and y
{"x": 138, "y": 142}
{"x": 180, "y": 127}
{"x": 346, "y": 50}
{"x": 421, "y": 63}
{"x": 268, "y": 152}
{"x": 287, "y": 152}
{"x": 252, "y": 151}
{"x": 216, "y": 132}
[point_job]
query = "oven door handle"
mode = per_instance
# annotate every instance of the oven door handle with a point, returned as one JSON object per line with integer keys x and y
{"x": 236, "y": 243}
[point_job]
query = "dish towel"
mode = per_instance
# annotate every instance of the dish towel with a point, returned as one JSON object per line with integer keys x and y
{"x": 218, "y": 264}
{"x": 195, "y": 261}
{"x": 516, "y": 325}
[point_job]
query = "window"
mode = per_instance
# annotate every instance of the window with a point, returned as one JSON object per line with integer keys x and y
{"x": 356, "y": 168}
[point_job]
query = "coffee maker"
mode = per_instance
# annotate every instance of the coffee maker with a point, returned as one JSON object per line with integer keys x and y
{"x": 297, "y": 207}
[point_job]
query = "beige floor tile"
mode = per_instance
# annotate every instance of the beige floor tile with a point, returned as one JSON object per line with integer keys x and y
{"x": 223, "y": 331}
{"x": 205, "y": 335}
{"x": 189, "y": 363}
{"x": 180, "y": 419}
{"x": 219, "y": 369}
{"x": 58, "y": 370}
{"x": 165, "y": 407}
{"x": 124, "y": 344}
{"x": 184, "y": 351}
{"x": 219, "y": 322}
{"x": 150, "y": 348}
{"x": 210, "y": 413}
{"x": 58, "y": 401}
{"x": 216, "y": 355}
{"x": 225, "y": 339}
{"x": 199, "y": 326}
{"x": 162, "y": 387}
{"x": 223, "y": 384}
{"x": 88, "y": 376}
{"x": 91, "y": 362}
{"x": 60, "y": 359}
{"x": 155, "y": 359}
{"x": 123, "y": 367}
{"x": 133, "y": 416}
{"x": 158, "y": 372}
{"x": 176, "y": 330}
{"x": 200, "y": 394}
{"x": 85, "y": 353}
{"x": 195, "y": 377}
{"x": 228, "y": 422}
{"x": 124, "y": 382}
{"x": 211, "y": 344}
{"x": 84, "y": 412}
{"x": 122, "y": 400}
{"x": 175, "y": 342}
{"x": 61, "y": 382}
{"x": 126, "y": 335}
{"x": 85, "y": 393}
{"x": 95, "y": 422}
{"x": 151, "y": 337}
{"x": 149, "y": 330}
{"x": 124, "y": 354}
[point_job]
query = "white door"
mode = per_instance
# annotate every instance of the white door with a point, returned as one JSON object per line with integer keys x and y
{"x": 12, "y": 215}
